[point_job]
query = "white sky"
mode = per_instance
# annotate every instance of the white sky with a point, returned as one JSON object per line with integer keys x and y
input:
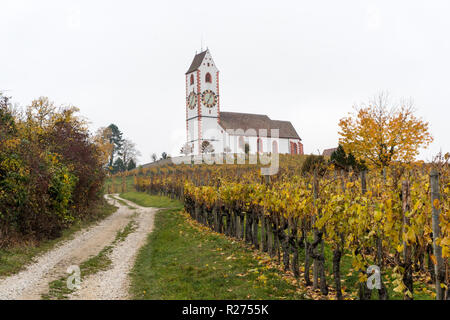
{"x": 123, "y": 62}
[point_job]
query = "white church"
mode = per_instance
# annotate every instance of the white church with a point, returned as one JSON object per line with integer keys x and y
{"x": 209, "y": 129}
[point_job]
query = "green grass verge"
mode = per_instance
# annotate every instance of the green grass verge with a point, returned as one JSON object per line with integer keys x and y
{"x": 179, "y": 262}
{"x": 147, "y": 200}
{"x": 115, "y": 185}
{"x": 183, "y": 261}
{"x": 13, "y": 260}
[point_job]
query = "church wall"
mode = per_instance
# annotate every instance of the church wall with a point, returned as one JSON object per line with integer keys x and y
{"x": 190, "y": 88}
{"x": 212, "y": 70}
{"x": 283, "y": 146}
{"x": 203, "y": 124}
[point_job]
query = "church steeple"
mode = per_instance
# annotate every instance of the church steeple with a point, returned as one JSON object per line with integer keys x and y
{"x": 202, "y": 98}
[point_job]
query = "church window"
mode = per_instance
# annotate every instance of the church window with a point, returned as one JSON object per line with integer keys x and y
{"x": 260, "y": 145}
{"x": 208, "y": 77}
{"x": 274, "y": 147}
{"x": 241, "y": 143}
{"x": 294, "y": 148}
{"x": 192, "y": 79}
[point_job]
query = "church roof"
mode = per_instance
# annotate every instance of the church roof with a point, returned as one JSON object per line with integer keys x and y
{"x": 197, "y": 61}
{"x": 328, "y": 152}
{"x": 244, "y": 121}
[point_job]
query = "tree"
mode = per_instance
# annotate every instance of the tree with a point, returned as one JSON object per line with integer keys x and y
{"x": 246, "y": 148}
{"x": 379, "y": 133}
{"x": 164, "y": 155}
{"x": 314, "y": 162}
{"x": 50, "y": 170}
{"x": 154, "y": 157}
{"x": 116, "y": 140}
{"x": 207, "y": 147}
{"x": 131, "y": 165}
{"x": 118, "y": 166}
{"x": 345, "y": 161}
{"x": 102, "y": 139}
{"x": 129, "y": 152}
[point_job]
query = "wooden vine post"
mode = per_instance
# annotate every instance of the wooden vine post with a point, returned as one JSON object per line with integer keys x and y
{"x": 439, "y": 269}
{"x": 407, "y": 250}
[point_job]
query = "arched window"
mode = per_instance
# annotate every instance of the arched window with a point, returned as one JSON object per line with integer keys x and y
{"x": 300, "y": 148}
{"x": 192, "y": 79}
{"x": 293, "y": 148}
{"x": 208, "y": 77}
{"x": 241, "y": 143}
{"x": 274, "y": 147}
{"x": 259, "y": 145}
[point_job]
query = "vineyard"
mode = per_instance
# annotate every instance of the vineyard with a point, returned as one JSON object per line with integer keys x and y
{"x": 394, "y": 222}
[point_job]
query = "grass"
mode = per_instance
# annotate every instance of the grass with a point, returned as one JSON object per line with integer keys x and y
{"x": 147, "y": 200}
{"x": 122, "y": 202}
{"x": 14, "y": 259}
{"x": 350, "y": 279}
{"x": 58, "y": 289}
{"x": 115, "y": 185}
{"x": 182, "y": 260}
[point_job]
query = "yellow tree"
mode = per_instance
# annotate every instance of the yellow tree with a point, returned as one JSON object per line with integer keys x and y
{"x": 102, "y": 139}
{"x": 379, "y": 134}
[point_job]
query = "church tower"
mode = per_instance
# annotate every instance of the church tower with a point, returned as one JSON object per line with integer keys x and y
{"x": 202, "y": 103}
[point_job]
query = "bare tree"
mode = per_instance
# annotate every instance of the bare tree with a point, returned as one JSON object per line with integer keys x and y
{"x": 186, "y": 149}
{"x": 154, "y": 157}
{"x": 129, "y": 152}
{"x": 207, "y": 147}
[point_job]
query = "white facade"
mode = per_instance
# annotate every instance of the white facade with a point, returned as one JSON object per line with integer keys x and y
{"x": 202, "y": 119}
{"x": 203, "y": 116}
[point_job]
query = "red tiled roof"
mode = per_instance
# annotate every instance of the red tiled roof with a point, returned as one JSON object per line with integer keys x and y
{"x": 197, "y": 61}
{"x": 245, "y": 121}
{"x": 328, "y": 152}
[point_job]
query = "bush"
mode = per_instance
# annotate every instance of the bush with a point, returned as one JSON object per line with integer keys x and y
{"x": 50, "y": 171}
{"x": 313, "y": 162}
{"x": 346, "y": 161}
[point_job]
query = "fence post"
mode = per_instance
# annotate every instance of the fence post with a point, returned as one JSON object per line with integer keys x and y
{"x": 437, "y": 249}
{"x": 363, "y": 182}
{"x": 407, "y": 263}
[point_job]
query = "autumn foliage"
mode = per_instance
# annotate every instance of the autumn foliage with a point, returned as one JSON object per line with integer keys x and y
{"x": 362, "y": 216}
{"x": 50, "y": 170}
{"x": 379, "y": 134}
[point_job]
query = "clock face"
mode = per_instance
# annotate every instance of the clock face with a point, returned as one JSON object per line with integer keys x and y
{"x": 191, "y": 100}
{"x": 209, "y": 98}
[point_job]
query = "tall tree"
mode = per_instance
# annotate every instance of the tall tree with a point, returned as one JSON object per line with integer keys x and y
{"x": 116, "y": 140}
{"x": 380, "y": 133}
{"x": 207, "y": 147}
{"x": 129, "y": 152}
{"x": 118, "y": 166}
{"x": 102, "y": 139}
{"x": 345, "y": 161}
{"x": 154, "y": 157}
{"x": 131, "y": 165}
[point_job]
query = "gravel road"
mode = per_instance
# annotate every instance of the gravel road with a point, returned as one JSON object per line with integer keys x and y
{"x": 113, "y": 283}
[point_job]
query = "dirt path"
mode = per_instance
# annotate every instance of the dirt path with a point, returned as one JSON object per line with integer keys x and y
{"x": 32, "y": 282}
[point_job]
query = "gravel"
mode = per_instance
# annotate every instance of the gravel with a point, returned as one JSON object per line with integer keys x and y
{"x": 113, "y": 283}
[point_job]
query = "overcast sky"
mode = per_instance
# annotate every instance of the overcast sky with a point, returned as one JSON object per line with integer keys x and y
{"x": 309, "y": 62}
